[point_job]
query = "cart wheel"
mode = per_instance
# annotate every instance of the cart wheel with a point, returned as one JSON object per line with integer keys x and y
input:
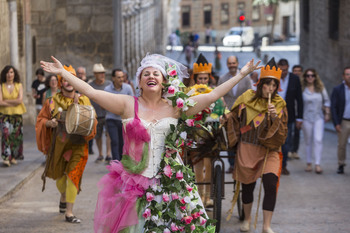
{"x": 240, "y": 207}
{"x": 217, "y": 195}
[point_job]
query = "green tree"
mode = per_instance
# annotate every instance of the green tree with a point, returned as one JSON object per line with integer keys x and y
{"x": 274, "y": 5}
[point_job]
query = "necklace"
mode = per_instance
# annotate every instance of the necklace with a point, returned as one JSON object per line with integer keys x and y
{"x": 9, "y": 86}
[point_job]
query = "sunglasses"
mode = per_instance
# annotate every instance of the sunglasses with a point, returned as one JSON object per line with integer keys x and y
{"x": 310, "y": 75}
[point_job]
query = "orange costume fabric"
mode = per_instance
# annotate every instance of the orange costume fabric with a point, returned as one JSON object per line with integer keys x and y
{"x": 67, "y": 154}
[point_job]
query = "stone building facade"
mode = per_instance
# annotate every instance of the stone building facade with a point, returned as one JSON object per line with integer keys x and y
{"x": 116, "y": 33}
{"x": 325, "y": 38}
{"x": 221, "y": 15}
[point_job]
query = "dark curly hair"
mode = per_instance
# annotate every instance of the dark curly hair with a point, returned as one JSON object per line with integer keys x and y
{"x": 5, "y": 71}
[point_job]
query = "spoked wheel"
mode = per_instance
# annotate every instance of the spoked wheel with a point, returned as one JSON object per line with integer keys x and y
{"x": 217, "y": 195}
{"x": 240, "y": 206}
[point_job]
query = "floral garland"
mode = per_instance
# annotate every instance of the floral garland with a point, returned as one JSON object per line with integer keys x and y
{"x": 178, "y": 211}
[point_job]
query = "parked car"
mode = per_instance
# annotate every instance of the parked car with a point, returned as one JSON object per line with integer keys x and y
{"x": 239, "y": 36}
{"x": 276, "y": 37}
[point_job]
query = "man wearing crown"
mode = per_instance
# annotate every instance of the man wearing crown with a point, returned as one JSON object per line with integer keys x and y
{"x": 67, "y": 154}
{"x": 260, "y": 126}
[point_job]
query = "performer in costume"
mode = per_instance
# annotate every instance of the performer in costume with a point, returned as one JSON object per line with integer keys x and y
{"x": 67, "y": 154}
{"x": 260, "y": 130}
{"x": 151, "y": 171}
{"x": 202, "y": 75}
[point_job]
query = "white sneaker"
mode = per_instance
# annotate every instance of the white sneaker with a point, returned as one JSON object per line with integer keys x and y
{"x": 245, "y": 226}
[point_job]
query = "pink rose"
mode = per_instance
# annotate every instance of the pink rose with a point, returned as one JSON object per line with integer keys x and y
{"x": 181, "y": 228}
{"x": 180, "y": 103}
{"x": 201, "y": 212}
{"x": 202, "y": 220}
{"x": 149, "y": 196}
{"x": 190, "y": 122}
{"x": 193, "y": 227}
{"x": 183, "y": 201}
{"x": 172, "y": 73}
{"x": 187, "y": 219}
{"x": 189, "y": 188}
{"x": 167, "y": 171}
{"x": 174, "y": 227}
{"x": 174, "y": 196}
{"x": 171, "y": 90}
{"x": 183, "y": 208}
{"x": 179, "y": 175}
{"x": 147, "y": 213}
{"x": 195, "y": 215}
{"x": 165, "y": 197}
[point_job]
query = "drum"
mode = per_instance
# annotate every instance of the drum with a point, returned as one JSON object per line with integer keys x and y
{"x": 80, "y": 119}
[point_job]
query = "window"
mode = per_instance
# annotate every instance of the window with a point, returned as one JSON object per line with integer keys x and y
{"x": 334, "y": 19}
{"x": 186, "y": 16}
{"x": 207, "y": 14}
{"x": 224, "y": 13}
{"x": 256, "y": 13}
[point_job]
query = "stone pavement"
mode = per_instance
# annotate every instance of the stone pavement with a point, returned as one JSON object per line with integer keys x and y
{"x": 12, "y": 178}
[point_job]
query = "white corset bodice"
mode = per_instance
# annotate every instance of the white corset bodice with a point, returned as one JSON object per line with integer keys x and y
{"x": 158, "y": 131}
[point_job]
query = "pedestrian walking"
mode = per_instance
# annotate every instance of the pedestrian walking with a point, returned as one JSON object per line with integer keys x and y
{"x": 217, "y": 62}
{"x": 231, "y": 96}
{"x": 11, "y": 121}
{"x": 144, "y": 174}
{"x": 260, "y": 125}
{"x": 38, "y": 89}
{"x": 51, "y": 84}
{"x": 291, "y": 92}
{"x": 81, "y": 73}
{"x": 293, "y": 153}
{"x": 340, "y": 108}
{"x": 67, "y": 154}
{"x": 316, "y": 113}
{"x": 100, "y": 83}
{"x": 188, "y": 53}
{"x": 113, "y": 121}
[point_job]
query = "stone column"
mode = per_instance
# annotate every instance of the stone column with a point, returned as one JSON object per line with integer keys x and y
{"x": 13, "y": 33}
{"x": 28, "y": 45}
{"x": 117, "y": 34}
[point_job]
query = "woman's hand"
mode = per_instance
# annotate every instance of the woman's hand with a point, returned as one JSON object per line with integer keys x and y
{"x": 250, "y": 67}
{"x": 54, "y": 68}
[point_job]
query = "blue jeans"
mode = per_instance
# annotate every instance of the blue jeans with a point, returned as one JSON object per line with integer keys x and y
{"x": 288, "y": 144}
{"x": 115, "y": 131}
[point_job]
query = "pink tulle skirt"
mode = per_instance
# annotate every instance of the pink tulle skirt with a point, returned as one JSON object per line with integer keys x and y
{"x": 116, "y": 203}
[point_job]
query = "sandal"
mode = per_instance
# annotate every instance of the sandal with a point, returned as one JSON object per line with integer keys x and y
{"x": 308, "y": 168}
{"x": 73, "y": 219}
{"x": 62, "y": 207}
{"x": 318, "y": 169}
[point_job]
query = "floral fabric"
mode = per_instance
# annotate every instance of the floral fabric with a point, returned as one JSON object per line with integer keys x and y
{"x": 12, "y": 137}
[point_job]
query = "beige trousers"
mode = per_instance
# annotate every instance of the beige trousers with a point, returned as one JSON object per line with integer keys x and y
{"x": 342, "y": 141}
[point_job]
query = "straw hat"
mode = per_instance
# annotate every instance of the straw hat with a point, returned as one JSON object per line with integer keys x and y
{"x": 98, "y": 68}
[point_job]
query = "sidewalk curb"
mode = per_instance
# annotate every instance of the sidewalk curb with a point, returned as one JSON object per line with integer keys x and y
{"x": 11, "y": 192}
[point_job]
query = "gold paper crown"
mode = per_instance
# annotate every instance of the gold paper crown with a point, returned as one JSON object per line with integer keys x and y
{"x": 267, "y": 72}
{"x": 202, "y": 68}
{"x": 70, "y": 69}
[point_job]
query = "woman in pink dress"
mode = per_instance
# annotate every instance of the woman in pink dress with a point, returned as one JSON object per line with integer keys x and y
{"x": 149, "y": 190}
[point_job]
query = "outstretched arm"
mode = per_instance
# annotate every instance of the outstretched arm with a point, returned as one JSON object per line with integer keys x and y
{"x": 112, "y": 102}
{"x": 205, "y": 100}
